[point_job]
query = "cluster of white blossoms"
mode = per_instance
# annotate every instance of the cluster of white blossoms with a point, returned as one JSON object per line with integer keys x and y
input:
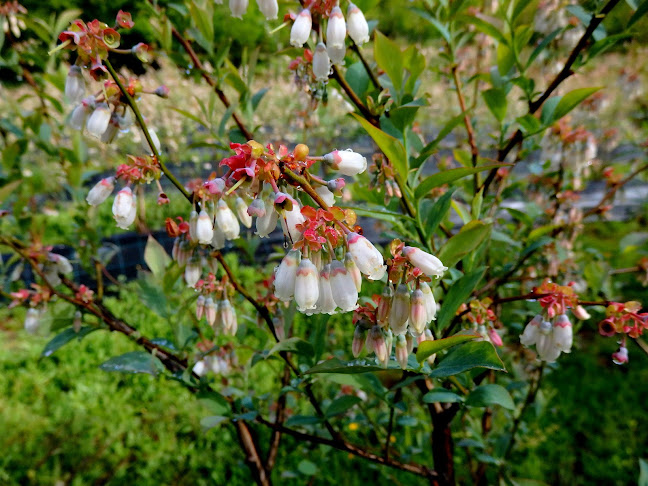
{"x": 550, "y": 338}
{"x": 220, "y": 315}
{"x": 334, "y": 50}
{"x": 269, "y": 8}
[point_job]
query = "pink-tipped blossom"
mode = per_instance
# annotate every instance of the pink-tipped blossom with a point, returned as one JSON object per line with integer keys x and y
{"x": 580, "y": 313}
{"x": 530, "y": 334}
{"x": 359, "y": 338}
{"x": 430, "y": 303}
{"x": 336, "y": 28}
{"x": 257, "y": 208}
{"x": 343, "y": 288}
{"x": 124, "y": 208}
{"x": 100, "y": 191}
{"x": 400, "y": 310}
{"x": 563, "y": 333}
{"x": 418, "y": 312}
{"x": 80, "y": 114}
{"x": 346, "y": 162}
{"x": 368, "y": 259}
{"x": 401, "y": 351}
{"x": 285, "y": 275}
{"x": 326, "y": 304}
{"x": 428, "y": 264}
{"x": 353, "y": 270}
{"x": 494, "y": 337}
{"x": 200, "y": 307}
{"x": 301, "y": 28}
{"x": 620, "y": 356}
{"x": 357, "y": 25}
{"x": 227, "y": 222}
{"x": 384, "y": 306}
{"x": 192, "y": 273}
{"x": 306, "y": 285}
{"x": 215, "y": 186}
{"x": 227, "y": 317}
{"x": 210, "y": 311}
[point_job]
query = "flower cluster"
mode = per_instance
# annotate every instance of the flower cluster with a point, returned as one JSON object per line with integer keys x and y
{"x": 219, "y": 314}
{"x": 626, "y": 319}
{"x": 483, "y": 319}
{"x": 404, "y": 310}
{"x": 551, "y": 332}
{"x": 11, "y": 18}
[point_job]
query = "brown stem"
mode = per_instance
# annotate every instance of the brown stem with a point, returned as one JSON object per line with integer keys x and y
{"x": 469, "y": 128}
{"x": 360, "y": 451}
{"x": 613, "y": 190}
{"x": 371, "y": 118}
{"x": 210, "y": 81}
{"x": 374, "y": 80}
{"x": 252, "y": 457}
{"x": 565, "y": 73}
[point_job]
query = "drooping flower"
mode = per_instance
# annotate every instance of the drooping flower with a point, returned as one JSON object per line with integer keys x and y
{"x": 418, "y": 317}
{"x": 368, "y": 259}
{"x": 326, "y": 303}
{"x": 620, "y": 356}
{"x": 401, "y": 351}
{"x": 215, "y": 186}
{"x": 343, "y": 288}
{"x": 321, "y": 63}
{"x": 210, "y": 311}
{"x": 359, "y": 338}
{"x": 284, "y": 280}
{"x": 204, "y": 228}
{"x": 200, "y": 307}
{"x": 75, "y": 85}
{"x": 530, "y": 334}
{"x": 301, "y": 29}
{"x": 428, "y": 264}
{"x": 99, "y": 119}
{"x": 227, "y": 317}
{"x": 336, "y": 54}
{"x": 336, "y": 28}
{"x": 124, "y": 208}
{"x": 545, "y": 345}
{"x": 32, "y": 320}
{"x": 268, "y": 223}
{"x": 580, "y": 313}
{"x": 227, "y": 222}
{"x": 80, "y": 114}
{"x": 268, "y": 8}
{"x": 192, "y": 273}
{"x": 238, "y": 8}
{"x": 563, "y": 333}
{"x": 357, "y": 25}
{"x": 242, "y": 212}
{"x": 257, "y": 208}
{"x": 327, "y": 196}
{"x": 430, "y": 303}
{"x": 384, "y": 306}
{"x": 353, "y": 270}
{"x": 346, "y": 162}
{"x": 306, "y": 285}
{"x": 291, "y": 219}
{"x": 100, "y": 191}
{"x": 218, "y": 240}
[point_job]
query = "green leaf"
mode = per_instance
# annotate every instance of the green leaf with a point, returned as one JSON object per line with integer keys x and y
{"x": 390, "y": 146}
{"x": 134, "y": 362}
{"x": 487, "y": 28}
{"x": 439, "y": 395}
{"x": 341, "y": 405}
{"x": 307, "y": 468}
{"x": 469, "y": 237}
{"x": 496, "y": 101}
{"x": 487, "y": 395}
{"x": 213, "y": 421}
{"x": 8, "y": 189}
{"x": 293, "y": 345}
{"x": 428, "y": 348}
{"x": 357, "y": 77}
{"x": 214, "y": 402}
{"x": 480, "y": 354}
{"x": 542, "y": 46}
{"x": 640, "y": 12}
{"x": 448, "y": 176}
{"x": 458, "y": 294}
{"x": 335, "y": 365}
{"x": 430, "y": 148}
{"x": 65, "y": 337}
{"x": 378, "y": 212}
{"x": 529, "y": 124}
{"x": 571, "y": 100}
{"x": 505, "y": 59}
{"x": 435, "y": 215}
{"x": 548, "y": 108}
{"x": 440, "y": 27}
{"x": 389, "y": 58}
{"x": 156, "y": 257}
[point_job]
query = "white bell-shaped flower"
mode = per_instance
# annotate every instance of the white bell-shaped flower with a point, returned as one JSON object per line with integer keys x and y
{"x": 242, "y": 212}
{"x": 368, "y": 259}
{"x": 336, "y": 28}
{"x": 291, "y": 219}
{"x": 563, "y": 334}
{"x": 99, "y": 119}
{"x": 80, "y": 114}
{"x": 343, "y": 288}
{"x": 100, "y": 192}
{"x": 418, "y": 313}
{"x": 326, "y": 304}
{"x": 321, "y": 63}
{"x": 353, "y": 270}
{"x": 400, "y": 310}
{"x": 192, "y": 273}
{"x": 346, "y": 162}
{"x": 124, "y": 208}
{"x": 401, "y": 351}
{"x": 204, "y": 228}
{"x": 357, "y": 25}
{"x": 336, "y": 54}
{"x": 238, "y": 8}
{"x": 269, "y": 8}
{"x": 428, "y": 264}
{"x": 430, "y": 303}
{"x": 306, "y": 285}
{"x": 530, "y": 334}
{"x": 285, "y": 274}
{"x": 301, "y": 28}
{"x": 75, "y": 85}
{"x": 327, "y": 196}
{"x": 226, "y": 220}
{"x": 32, "y": 320}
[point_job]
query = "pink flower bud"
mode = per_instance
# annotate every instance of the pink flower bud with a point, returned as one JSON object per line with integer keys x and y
{"x": 494, "y": 338}
{"x": 227, "y": 221}
{"x": 357, "y": 25}
{"x": 343, "y": 288}
{"x": 368, "y": 259}
{"x": 346, "y": 162}
{"x": 389, "y": 342}
{"x": 204, "y": 228}
{"x": 238, "y": 8}
{"x": 101, "y": 190}
{"x": 215, "y": 186}
{"x": 384, "y": 306}
{"x": 210, "y": 311}
{"x": 620, "y": 356}
{"x": 428, "y": 264}
{"x": 162, "y": 91}
{"x": 563, "y": 333}
{"x": 192, "y": 273}
{"x": 336, "y": 28}
{"x": 530, "y": 334}
{"x": 353, "y": 270}
{"x": 359, "y": 338}
{"x": 242, "y": 212}
{"x": 418, "y": 313}
{"x": 306, "y": 285}
{"x": 400, "y": 310}
{"x": 401, "y": 350}
{"x": 268, "y": 8}
{"x": 75, "y": 85}
{"x": 326, "y": 304}
{"x": 580, "y": 313}
{"x": 142, "y": 52}
{"x": 200, "y": 306}
{"x": 99, "y": 119}
{"x": 285, "y": 275}
{"x": 301, "y": 28}
{"x": 378, "y": 345}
